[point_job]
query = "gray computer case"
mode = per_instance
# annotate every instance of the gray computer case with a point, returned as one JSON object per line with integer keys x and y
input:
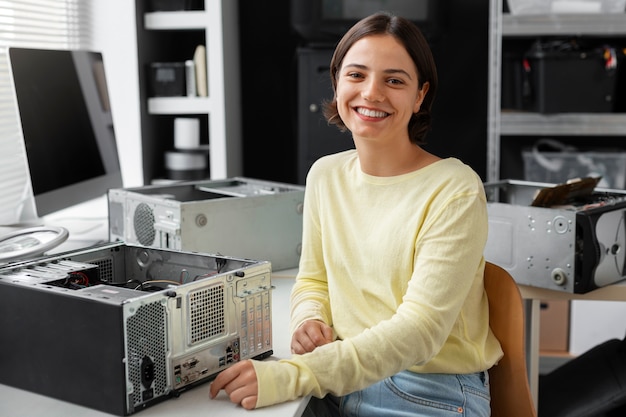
{"x": 237, "y": 216}
{"x": 574, "y": 248}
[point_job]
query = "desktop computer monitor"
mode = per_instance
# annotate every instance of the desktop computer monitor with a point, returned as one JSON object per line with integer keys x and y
{"x": 67, "y": 130}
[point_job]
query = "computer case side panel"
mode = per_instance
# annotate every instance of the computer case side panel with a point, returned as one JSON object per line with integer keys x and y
{"x": 63, "y": 347}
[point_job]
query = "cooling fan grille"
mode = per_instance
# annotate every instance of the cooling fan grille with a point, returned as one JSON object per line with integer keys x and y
{"x": 143, "y": 222}
{"x": 146, "y": 338}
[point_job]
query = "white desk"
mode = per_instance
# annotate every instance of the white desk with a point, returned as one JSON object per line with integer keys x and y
{"x": 195, "y": 402}
{"x": 533, "y": 297}
{"x": 87, "y": 224}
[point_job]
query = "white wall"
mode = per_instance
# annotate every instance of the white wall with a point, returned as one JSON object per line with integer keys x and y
{"x": 115, "y": 36}
{"x": 593, "y": 322}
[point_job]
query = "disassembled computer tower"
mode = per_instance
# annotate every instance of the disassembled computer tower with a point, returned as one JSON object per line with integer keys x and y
{"x": 565, "y": 237}
{"x": 120, "y": 327}
{"x": 237, "y": 216}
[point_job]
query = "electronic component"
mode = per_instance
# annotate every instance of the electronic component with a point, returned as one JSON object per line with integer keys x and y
{"x": 576, "y": 246}
{"x": 119, "y": 327}
{"x": 236, "y": 216}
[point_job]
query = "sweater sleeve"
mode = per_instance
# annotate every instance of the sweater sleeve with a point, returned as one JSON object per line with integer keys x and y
{"x": 309, "y": 297}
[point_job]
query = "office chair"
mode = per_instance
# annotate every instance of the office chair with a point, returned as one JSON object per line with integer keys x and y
{"x": 591, "y": 384}
{"x": 510, "y": 390}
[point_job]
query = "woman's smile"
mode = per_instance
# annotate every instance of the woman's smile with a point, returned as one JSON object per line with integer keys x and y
{"x": 371, "y": 113}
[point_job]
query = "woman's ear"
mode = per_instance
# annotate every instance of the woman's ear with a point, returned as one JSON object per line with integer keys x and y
{"x": 421, "y": 94}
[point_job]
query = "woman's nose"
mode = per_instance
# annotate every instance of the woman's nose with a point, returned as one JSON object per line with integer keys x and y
{"x": 372, "y": 91}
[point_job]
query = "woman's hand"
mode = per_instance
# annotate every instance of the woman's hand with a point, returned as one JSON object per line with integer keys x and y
{"x": 240, "y": 384}
{"x": 309, "y": 335}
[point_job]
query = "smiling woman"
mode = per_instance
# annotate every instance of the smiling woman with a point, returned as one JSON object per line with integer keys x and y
{"x": 378, "y": 93}
{"x": 417, "y": 59}
{"x": 389, "y": 314}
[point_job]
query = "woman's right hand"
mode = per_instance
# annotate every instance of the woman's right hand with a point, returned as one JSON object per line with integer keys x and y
{"x": 309, "y": 335}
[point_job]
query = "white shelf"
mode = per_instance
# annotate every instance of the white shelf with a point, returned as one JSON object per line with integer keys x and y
{"x": 191, "y": 20}
{"x": 179, "y": 105}
{"x": 218, "y": 23}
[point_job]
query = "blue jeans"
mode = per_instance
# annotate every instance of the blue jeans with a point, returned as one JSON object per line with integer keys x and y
{"x": 410, "y": 394}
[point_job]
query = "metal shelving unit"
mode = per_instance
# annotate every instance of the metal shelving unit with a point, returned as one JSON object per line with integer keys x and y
{"x": 502, "y": 126}
{"x": 507, "y": 130}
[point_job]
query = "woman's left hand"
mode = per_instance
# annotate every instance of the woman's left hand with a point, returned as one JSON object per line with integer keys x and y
{"x": 240, "y": 384}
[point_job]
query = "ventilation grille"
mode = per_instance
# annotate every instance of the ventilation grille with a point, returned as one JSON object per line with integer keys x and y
{"x": 146, "y": 337}
{"x": 206, "y": 318}
{"x": 143, "y": 222}
{"x": 105, "y": 268}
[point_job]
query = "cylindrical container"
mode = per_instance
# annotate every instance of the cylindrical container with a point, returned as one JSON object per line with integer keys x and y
{"x": 186, "y": 133}
{"x": 187, "y": 165}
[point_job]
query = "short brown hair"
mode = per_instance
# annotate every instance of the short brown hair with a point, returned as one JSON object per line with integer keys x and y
{"x": 418, "y": 49}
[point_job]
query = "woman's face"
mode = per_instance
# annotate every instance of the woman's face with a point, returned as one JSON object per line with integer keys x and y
{"x": 377, "y": 89}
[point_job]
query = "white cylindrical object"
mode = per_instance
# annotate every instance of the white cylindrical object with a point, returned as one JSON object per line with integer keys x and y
{"x": 182, "y": 161}
{"x": 186, "y": 133}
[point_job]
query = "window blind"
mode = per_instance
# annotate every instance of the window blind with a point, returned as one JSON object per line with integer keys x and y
{"x": 47, "y": 24}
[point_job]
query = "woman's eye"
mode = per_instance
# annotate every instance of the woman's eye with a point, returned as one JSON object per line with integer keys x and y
{"x": 354, "y": 75}
{"x": 395, "y": 81}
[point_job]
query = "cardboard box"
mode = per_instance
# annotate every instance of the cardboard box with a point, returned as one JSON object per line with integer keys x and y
{"x": 554, "y": 320}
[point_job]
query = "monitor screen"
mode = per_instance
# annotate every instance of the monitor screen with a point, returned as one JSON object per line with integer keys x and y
{"x": 67, "y": 126}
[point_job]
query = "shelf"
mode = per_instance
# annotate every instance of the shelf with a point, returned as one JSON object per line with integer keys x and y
{"x": 504, "y": 30}
{"x": 571, "y": 24}
{"x": 574, "y": 124}
{"x": 162, "y": 36}
{"x": 179, "y": 105}
{"x": 190, "y": 20}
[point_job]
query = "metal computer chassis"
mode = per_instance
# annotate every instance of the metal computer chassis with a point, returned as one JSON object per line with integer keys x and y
{"x": 570, "y": 249}
{"x": 120, "y": 327}
{"x": 236, "y": 216}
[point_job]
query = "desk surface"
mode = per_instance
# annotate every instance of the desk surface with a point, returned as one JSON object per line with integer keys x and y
{"x": 614, "y": 292}
{"x": 195, "y": 402}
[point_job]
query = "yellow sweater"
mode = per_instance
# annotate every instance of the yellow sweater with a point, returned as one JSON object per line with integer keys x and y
{"x": 395, "y": 265}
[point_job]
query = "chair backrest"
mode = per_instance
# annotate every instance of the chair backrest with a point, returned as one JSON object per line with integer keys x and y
{"x": 510, "y": 390}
